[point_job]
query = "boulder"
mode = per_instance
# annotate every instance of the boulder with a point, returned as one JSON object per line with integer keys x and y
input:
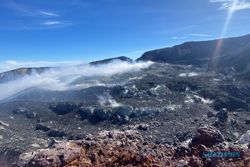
{"x": 42, "y": 127}
{"x": 210, "y": 114}
{"x": 207, "y": 136}
{"x": 63, "y": 108}
{"x": 245, "y": 138}
{"x": 143, "y": 127}
{"x": 222, "y": 115}
{"x": 56, "y": 133}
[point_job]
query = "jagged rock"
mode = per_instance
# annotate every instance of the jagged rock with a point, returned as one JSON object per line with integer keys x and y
{"x": 56, "y": 133}
{"x": 101, "y": 114}
{"x": 210, "y": 114}
{"x": 117, "y": 115}
{"x": 106, "y": 61}
{"x": 207, "y": 136}
{"x": 62, "y": 154}
{"x": 183, "y": 136}
{"x": 181, "y": 151}
{"x": 245, "y": 138}
{"x": 25, "y": 112}
{"x": 143, "y": 127}
{"x": 63, "y": 108}
{"x": 195, "y": 162}
{"x": 42, "y": 127}
{"x": 123, "y": 148}
{"x": 222, "y": 115}
{"x": 117, "y": 134}
{"x": 4, "y": 124}
{"x": 247, "y": 121}
{"x": 85, "y": 112}
{"x": 230, "y": 103}
{"x": 182, "y": 86}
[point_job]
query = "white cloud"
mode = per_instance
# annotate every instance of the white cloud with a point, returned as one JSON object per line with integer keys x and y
{"x": 38, "y": 18}
{"x": 180, "y": 37}
{"x": 50, "y": 14}
{"x": 11, "y": 62}
{"x": 199, "y": 35}
{"x": 186, "y": 36}
{"x": 232, "y": 5}
{"x": 52, "y": 23}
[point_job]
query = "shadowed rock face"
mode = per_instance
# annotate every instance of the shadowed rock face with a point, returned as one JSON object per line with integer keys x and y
{"x": 106, "y": 61}
{"x": 233, "y": 53}
{"x": 18, "y": 73}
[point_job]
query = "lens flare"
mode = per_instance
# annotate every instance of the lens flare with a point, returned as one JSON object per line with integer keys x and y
{"x": 214, "y": 59}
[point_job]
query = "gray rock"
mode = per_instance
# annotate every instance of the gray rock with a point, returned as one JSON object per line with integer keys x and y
{"x": 25, "y": 112}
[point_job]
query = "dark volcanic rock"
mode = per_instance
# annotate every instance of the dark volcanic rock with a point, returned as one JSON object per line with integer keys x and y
{"x": 174, "y": 100}
{"x": 234, "y": 53}
{"x": 117, "y": 115}
{"x": 210, "y": 114}
{"x": 222, "y": 115}
{"x": 42, "y": 127}
{"x": 207, "y": 136}
{"x": 56, "y": 133}
{"x": 106, "y": 61}
{"x": 19, "y": 73}
{"x": 62, "y": 108}
{"x": 25, "y": 112}
{"x": 182, "y": 86}
{"x": 143, "y": 127}
{"x": 247, "y": 121}
{"x": 230, "y": 103}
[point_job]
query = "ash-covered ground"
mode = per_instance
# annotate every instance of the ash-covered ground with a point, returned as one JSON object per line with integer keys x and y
{"x": 166, "y": 103}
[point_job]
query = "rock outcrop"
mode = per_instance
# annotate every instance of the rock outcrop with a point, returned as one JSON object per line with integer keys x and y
{"x": 128, "y": 148}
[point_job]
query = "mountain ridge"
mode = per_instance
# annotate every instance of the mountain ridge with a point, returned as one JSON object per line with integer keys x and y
{"x": 234, "y": 52}
{"x": 223, "y": 51}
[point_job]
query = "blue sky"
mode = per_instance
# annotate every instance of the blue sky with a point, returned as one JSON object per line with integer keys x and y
{"x": 83, "y": 30}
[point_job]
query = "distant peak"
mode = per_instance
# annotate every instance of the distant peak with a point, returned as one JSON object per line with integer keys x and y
{"x": 105, "y": 61}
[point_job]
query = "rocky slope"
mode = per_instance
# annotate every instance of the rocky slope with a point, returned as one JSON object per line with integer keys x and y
{"x": 128, "y": 148}
{"x": 106, "y": 61}
{"x": 225, "y": 53}
{"x": 18, "y": 73}
{"x": 166, "y": 103}
{"x": 21, "y": 72}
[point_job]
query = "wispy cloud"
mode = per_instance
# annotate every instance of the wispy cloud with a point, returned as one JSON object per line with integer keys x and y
{"x": 34, "y": 17}
{"x": 186, "y": 36}
{"x": 31, "y": 11}
{"x": 232, "y": 5}
{"x": 200, "y": 35}
{"x": 52, "y": 23}
{"x": 179, "y": 37}
{"x": 50, "y": 14}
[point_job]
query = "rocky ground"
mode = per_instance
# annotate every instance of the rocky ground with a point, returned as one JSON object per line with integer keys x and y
{"x": 165, "y": 103}
{"x": 128, "y": 148}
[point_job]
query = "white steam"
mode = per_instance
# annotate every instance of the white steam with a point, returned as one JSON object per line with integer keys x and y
{"x": 107, "y": 100}
{"x": 60, "y": 79}
{"x": 12, "y": 64}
